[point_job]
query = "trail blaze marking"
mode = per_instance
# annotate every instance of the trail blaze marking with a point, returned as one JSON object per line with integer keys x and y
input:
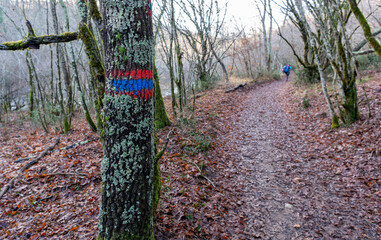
{"x": 136, "y": 83}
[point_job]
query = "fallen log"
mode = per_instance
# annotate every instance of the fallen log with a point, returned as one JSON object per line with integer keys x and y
{"x": 5, "y": 189}
{"x": 235, "y": 88}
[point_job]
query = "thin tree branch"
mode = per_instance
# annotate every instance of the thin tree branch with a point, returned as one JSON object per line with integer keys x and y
{"x": 363, "y": 42}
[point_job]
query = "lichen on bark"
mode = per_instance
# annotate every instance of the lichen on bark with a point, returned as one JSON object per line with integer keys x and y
{"x": 128, "y": 165}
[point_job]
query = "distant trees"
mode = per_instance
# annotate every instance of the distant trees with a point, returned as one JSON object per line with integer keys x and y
{"x": 51, "y": 96}
{"x": 265, "y": 13}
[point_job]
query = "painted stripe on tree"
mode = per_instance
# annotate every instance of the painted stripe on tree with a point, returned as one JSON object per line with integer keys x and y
{"x": 149, "y": 9}
{"x": 134, "y": 74}
{"x": 131, "y": 85}
{"x": 141, "y": 94}
{"x": 137, "y": 83}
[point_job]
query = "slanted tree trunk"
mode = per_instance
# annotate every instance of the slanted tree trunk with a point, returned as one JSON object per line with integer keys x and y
{"x": 128, "y": 164}
{"x": 97, "y": 71}
{"x": 376, "y": 45}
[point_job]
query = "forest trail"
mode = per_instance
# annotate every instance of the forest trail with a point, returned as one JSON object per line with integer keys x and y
{"x": 290, "y": 191}
{"x": 267, "y": 192}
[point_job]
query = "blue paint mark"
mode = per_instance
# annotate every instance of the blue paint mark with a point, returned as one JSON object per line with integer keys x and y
{"x": 132, "y": 85}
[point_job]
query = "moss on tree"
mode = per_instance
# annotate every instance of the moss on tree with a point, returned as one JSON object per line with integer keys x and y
{"x": 97, "y": 71}
{"x": 365, "y": 26}
{"x": 161, "y": 116}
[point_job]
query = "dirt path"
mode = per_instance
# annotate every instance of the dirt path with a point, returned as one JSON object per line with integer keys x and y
{"x": 287, "y": 192}
{"x": 266, "y": 190}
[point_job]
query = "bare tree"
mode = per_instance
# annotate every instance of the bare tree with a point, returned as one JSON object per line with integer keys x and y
{"x": 208, "y": 20}
{"x": 265, "y": 12}
{"x": 330, "y": 18}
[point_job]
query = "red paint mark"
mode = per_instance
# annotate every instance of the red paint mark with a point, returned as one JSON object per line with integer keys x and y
{"x": 134, "y": 74}
{"x": 149, "y": 9}
{"x": 142, "y": 94}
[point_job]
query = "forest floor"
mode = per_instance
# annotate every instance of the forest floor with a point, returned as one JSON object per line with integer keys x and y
{"x": 256, "y": 163}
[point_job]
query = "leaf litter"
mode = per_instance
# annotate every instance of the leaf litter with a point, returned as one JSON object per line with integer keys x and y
{"x": 230, "y": 168}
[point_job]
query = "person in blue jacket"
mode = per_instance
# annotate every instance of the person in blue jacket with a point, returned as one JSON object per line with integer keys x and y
{"x": 287, "y": 69}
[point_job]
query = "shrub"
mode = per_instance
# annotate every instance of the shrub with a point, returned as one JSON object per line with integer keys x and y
{"x": 369, "y": 61}
{"x": 306, "y": 102}
{"x": 306, "y": 76}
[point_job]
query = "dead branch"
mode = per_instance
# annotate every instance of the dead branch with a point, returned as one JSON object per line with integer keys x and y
{"x": 236, "y": 87}
{"x": 5, "y": 189}
{"x": 79, "y": 144}
{"x": 162, "y": 151}
{"x": 63, "y": 148}
{"x": 199, "y": 169}
{"x": 67, "y": 174}
{"x": 200, "y": 95}
{"x": 23, "y": 159}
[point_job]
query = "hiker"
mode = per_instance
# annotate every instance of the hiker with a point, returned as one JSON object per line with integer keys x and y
{"x": 287, "y": 69}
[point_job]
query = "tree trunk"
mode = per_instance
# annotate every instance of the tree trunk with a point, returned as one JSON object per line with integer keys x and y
{"x": 161, "y": 117}
{"x": 171, "y": 63}
{"x": 335, "y": 121}
{"x": 67, "y": 115}
{"x": 365, "y": 27}
{"x": 128, "y": 164}
{"x": 97, "y": 72}
{"x": 76, "y": 75}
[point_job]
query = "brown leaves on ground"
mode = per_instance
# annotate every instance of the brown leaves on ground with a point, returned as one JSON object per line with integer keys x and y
{"x": 201, "y": 194}
{"x": 336, "y": 173}
{"x": 58, "y": 198}
{"x": 200, "y": 200}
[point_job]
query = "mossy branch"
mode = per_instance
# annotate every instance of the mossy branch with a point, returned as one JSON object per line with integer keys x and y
{"x": 92, "y": 51}
{"x": 38, "y": 40}
{"x": 365, "y": 52}
{"x": 365, "y": 27}
{"x": 94, "y": 11}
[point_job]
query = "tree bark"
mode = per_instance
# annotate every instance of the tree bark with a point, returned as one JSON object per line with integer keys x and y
{"x": 128, "y": 165}
{"x": 76, "y": 74}
{"x": 365, "y": 27}
{"x": 67, "y": 115}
